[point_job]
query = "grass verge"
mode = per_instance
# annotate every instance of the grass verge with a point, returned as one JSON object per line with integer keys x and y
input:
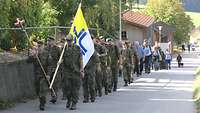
{"x": 196, "y": 89}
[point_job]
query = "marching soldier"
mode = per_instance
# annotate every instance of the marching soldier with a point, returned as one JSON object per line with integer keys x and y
{"x": 61, "y": 45}
{"x": 41, "y": 83}
{"x": 127, "y": 63}
{"x": 73, "y": 72}
{"x": 53, "y": 57}
{"x": 114, "y": 65}
{"x": 98, "y": 77}
{"x": 104, "y": 66}
{"x": 89, "y": 78}
{"x": 108, "y": 70}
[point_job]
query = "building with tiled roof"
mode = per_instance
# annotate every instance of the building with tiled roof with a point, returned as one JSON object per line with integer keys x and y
{"x": 137, "y": 26}
{"x": 138, "y": 19}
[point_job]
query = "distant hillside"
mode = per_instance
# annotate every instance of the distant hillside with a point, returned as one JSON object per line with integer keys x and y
{"x": 189, "y": 5}
{"x": 143, "y": 2}
{"x": 192, "y": 8}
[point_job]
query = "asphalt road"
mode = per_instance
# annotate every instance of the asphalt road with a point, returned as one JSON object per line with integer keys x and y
{"x": 164, "y": 91}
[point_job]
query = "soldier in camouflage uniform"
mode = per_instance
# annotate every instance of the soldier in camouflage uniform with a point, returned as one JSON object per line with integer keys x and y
{"x": 127, "y": 63}
{"x": 98, "y": 77}
{"x": 41, "y": 83}
{"x": 53, "y": 57}
{"x": 104, "y": 67}
{"x": 89, "y": 78}
{"x": 108, "y": 70}
{"x": 61, "y": 45}
{"x": 114, "y": 65}
{"x": 72, "y": 64}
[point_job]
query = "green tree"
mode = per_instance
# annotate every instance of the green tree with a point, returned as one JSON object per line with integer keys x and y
{"x": 48, "y": 18}
{"x": 34, "y": 12}
{"x": 66, "y": 10}
{"x": 100, "y": 14}
{"x": 172, "y": 13}
{"x": 105, "y": 16}
{"x": 30, "y": 11}
{"x": 4, "y": 22}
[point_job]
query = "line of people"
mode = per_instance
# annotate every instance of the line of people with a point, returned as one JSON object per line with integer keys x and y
{"x": 101, "y": 71}
{"x": 109, "y": 61}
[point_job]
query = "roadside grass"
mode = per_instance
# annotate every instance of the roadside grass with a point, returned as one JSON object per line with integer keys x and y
{"x": 196, "y": 89}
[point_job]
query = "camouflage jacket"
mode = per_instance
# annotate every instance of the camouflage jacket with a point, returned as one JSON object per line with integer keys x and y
{"x": 72, "y": 59}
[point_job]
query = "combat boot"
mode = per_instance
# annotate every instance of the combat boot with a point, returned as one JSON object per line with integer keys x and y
{"x": 92, "y": 99}
{"x": 42, "y": 103}
{"x": 68, "y": 104}
{"x": 42, "y": 107}
{"x": 126, "y": 84}
{"x": 85, "y": 101}
{"x": 53, "y": 100}
{"x": 73, "y": 107}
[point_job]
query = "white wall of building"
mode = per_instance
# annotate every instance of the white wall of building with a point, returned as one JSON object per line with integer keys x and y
{"x": 133, "y": 33}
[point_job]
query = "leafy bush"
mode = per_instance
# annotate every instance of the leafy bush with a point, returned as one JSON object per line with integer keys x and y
{"x": 5, "y": 43}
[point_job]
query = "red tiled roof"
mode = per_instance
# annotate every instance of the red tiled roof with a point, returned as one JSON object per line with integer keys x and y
{"x": 138, "y": 19}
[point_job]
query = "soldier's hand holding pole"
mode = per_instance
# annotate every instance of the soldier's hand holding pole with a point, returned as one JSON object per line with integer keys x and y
{"x": 82, "y": 69}
{"x": 20, "y": 23}
{"x": 58, "y": 65}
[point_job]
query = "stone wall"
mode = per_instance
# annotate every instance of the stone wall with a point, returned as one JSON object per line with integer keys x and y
{"x": 16, "y": 80}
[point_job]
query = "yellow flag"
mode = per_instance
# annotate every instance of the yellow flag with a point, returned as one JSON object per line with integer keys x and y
{"x": 81, "y": 36}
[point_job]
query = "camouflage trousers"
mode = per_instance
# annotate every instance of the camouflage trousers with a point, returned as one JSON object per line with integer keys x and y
{"x": 42, "y": 88}
{"x": 41, "y": 85}
{"x": 127, "y": 73}
{"x": 114, "y": 82}
{"x": 107, "y": 79}
{"x": 71, "y": 85}
{"x": 99, "y": 84}
{"x": 89, "y": 86}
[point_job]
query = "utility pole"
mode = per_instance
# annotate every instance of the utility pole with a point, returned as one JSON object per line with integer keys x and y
{"x": 120, "y": 21}
{"x": 160, "y": 34}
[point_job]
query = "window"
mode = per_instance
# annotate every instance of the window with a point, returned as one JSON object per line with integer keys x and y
{"x": 124, "y": 35}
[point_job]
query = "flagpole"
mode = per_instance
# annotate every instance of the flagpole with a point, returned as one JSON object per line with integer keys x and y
{"x": 120, "y": 21}
{"x": 45, "y": 74}
{"x": 59, "y": 61}
{"x": 58, "y": 65}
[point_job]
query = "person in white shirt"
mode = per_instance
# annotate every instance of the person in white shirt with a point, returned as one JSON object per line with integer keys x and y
{"x": 168, "y": 59}
{"x": 147, "y": 58}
